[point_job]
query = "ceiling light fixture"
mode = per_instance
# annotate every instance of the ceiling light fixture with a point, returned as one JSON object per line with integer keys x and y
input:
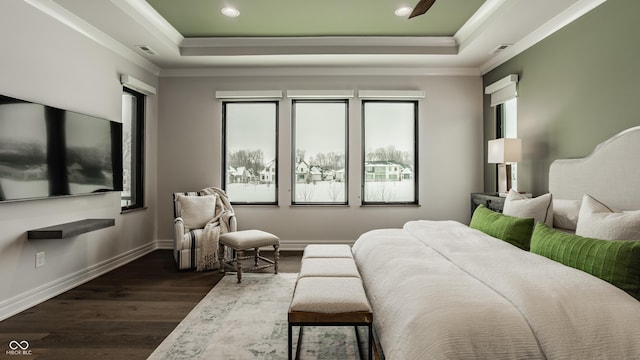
{"x": 230, "y": 12}
{"x": 403, "y": 11}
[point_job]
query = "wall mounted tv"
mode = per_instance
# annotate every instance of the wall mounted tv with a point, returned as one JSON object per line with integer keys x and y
{"x": 50, "y": 152}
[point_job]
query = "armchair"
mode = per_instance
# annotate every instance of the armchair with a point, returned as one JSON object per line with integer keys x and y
{"x": 199, "y": 219}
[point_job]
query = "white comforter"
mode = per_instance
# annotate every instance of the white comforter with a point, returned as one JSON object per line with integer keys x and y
{"x": 441, "y": 290}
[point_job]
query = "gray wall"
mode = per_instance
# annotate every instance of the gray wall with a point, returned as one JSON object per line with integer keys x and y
{"x": 45, "y": 61}
{"x": 450, "y": 158}
{"x": 577, "y": 88}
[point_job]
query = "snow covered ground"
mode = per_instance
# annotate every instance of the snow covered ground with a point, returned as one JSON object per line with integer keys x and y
{"x": 323, "y": 192}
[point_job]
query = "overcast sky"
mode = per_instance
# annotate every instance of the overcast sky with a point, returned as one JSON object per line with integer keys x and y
{"x": 318, "y": 127}
{"x": 251, "y": 126}
{"x": 389, "y": 124}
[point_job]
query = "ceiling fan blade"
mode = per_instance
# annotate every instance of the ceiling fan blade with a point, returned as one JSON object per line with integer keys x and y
{"x": 421, "y": 7}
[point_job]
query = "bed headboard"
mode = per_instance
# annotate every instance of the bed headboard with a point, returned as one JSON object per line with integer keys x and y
{"x": 610, "y": 174}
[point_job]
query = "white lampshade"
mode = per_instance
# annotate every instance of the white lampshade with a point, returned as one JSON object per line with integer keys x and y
{"x": 504, "y": 151}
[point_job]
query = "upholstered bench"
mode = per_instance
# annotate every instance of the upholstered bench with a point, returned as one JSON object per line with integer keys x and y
{"x": 329, "y": 292}
{"x": 249, "y": 239}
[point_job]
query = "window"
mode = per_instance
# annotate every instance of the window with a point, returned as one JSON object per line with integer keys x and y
{"x": 132, "y": 149}
{"x": 507, "y": 127}
{"x": 250, "y": 151}
{"x": 504, "y": 95}
{"x": 319, "y": 159}
{"x": 390, "y": 143}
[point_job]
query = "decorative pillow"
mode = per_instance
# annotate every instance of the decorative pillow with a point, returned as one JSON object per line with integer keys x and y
{"x": 539, "y": 208}
{"x": 196, "y": 211}
{"x": 565, "y": 213}
{"x": 615, "y": 261}
{"x": 598, "y": 221}
{"x": 514, "y": 230}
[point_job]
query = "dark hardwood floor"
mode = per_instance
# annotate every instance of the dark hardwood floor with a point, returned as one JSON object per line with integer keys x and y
{"x": 124, "y": 314}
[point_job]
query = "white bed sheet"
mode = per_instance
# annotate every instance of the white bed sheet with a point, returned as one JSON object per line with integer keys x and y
{"x": 441, "y": 290}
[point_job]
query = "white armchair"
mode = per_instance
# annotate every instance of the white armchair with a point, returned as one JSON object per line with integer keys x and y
{"x": 199, "y": 218}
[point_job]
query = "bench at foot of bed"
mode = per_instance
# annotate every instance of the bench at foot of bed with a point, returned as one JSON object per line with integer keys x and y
{"x": 329, "y": 292}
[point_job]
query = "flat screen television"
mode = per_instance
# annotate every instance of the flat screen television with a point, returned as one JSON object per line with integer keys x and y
{"x": 50, "y": 152}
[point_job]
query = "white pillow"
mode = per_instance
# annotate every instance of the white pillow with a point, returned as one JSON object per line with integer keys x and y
{"x": 596, "y": 220}
{"x": 539, "y": 208}
{"x": 196, "y": 211}
{"x": 565, "y": 213}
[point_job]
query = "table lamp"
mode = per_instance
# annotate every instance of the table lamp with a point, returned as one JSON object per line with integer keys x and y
{"x": 504, "y": 152}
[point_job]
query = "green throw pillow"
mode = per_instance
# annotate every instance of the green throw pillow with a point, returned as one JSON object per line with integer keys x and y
{"x": 614, "y": 261}
{"x": 514, "y": 230}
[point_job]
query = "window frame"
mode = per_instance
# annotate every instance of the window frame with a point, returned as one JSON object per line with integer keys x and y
{"x": 294, "y": 149}
{"x": 416, "y": 172}
{"x": 137, "y": 151}
{"x": 501, "y": 132}
{"x": 277, "y": 145}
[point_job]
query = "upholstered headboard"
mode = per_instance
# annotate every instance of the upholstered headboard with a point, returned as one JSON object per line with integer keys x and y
{"x": 610, "y": 174}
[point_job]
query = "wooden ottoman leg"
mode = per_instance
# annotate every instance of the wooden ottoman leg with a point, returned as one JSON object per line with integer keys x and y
{"x": 256, "y": 255}
{"x": 239, "y": 254}
{"x": 221, "y": 256}
{"x": 276, "y": 257}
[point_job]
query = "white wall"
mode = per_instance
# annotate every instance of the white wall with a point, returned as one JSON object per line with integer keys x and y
{"x": 450, "y": 153}
{"x": 44, "y": 61}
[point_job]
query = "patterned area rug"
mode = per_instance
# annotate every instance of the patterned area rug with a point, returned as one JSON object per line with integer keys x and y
{"x": 249, "y": 321}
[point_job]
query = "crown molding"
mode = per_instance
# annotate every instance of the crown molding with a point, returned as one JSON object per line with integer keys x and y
{"x": 74, "y": 22}
{"x": 477, "y": 22}
{"x": 563, "y": 19}
{"x": 318, "y": 45}
{"x": 320, "y": 71}
{"x": 145, "y": 15}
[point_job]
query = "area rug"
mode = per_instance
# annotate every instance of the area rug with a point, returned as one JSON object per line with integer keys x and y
{"x": 249, "y": 321}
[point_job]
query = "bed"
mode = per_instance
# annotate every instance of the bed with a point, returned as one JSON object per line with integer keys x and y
{"x": 446, "y": 290}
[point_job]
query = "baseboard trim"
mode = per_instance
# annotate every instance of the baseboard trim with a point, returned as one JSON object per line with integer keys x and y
{"x": 54, "y": 288}
{"x": 166, "y": 244}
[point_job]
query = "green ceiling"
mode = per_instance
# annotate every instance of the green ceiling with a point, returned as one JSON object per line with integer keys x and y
{"x": 202, "y": 18}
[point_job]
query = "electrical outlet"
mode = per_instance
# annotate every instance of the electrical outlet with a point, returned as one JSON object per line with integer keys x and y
{"x": 40, "y": 259}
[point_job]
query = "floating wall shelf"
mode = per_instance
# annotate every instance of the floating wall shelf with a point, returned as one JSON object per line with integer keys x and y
{"x": 70, "y": 229}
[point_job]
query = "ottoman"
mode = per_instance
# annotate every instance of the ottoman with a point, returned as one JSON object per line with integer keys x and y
{"x": 249, "y": 239}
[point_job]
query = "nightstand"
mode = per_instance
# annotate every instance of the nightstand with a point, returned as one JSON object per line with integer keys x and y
{"x": 490, "y": 200}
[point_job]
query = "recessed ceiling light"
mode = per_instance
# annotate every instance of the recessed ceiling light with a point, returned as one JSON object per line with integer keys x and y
{"x": 230, "y": 12}
{"x": 403, "y": 11}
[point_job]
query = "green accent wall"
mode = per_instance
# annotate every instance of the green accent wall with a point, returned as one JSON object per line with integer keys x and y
{"x": 577, "y": 88}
